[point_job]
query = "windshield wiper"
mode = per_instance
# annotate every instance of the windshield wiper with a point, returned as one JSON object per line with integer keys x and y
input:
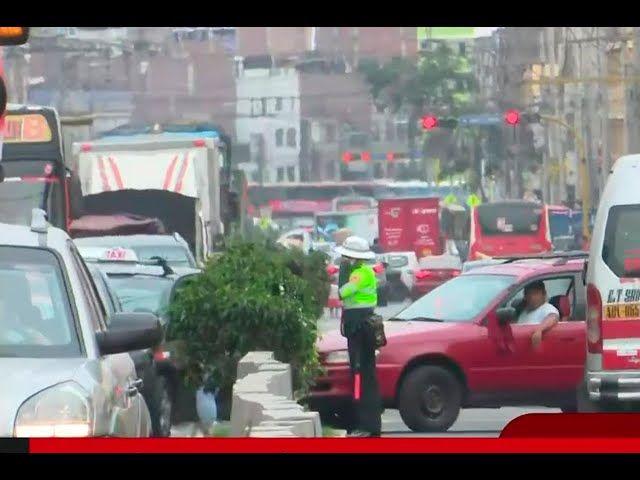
{"x": 415, "y": 319}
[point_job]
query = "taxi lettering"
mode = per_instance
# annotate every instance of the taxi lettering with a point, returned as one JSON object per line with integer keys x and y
{"x": 630, "y": 295}
{"x": 622, "y": 304}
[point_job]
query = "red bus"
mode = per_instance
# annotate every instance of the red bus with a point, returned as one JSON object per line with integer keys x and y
{"x": 509, "y": 228}
{"x": 294, "y": 204}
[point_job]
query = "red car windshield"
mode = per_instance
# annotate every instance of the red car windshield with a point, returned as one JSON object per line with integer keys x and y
{"x": 459, "y": 300}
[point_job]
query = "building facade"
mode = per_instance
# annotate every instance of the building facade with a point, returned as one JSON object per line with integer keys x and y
{"x": 268, "y": 118}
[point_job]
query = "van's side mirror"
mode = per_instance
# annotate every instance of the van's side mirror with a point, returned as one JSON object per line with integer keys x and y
{"x": 584, "y": 272}
{"x": 505, "y": 316}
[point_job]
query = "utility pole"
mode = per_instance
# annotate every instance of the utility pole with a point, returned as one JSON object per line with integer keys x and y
{"x": 555, "y": 150}
{"x": 632, "y": 98}
{"x": 604, "y": 96}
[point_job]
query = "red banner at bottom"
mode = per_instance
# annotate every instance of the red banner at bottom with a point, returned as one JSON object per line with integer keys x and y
{"x": 534, "y": 433}
{"x": 336, "y": 445}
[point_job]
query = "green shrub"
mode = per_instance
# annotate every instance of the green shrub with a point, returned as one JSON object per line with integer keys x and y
{"x": 248, "y": 299}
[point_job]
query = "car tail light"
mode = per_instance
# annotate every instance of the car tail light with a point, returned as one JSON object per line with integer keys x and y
{"x": 161, "y": 355}
{"x": 594, "y": 319}
{"x": 422, "y": 274}
{"x": 456, "y": 273}
{"x": 332, "y": 269}
{"x": 379, "y": 268}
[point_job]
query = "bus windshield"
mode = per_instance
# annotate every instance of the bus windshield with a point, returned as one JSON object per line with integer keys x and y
{"x": 20, "y": 195}
{"x": 509, "y": 219}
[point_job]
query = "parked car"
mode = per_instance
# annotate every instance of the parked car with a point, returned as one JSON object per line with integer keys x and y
{"x": 65, "y": 365}
{"x": 155, "y": 386}
{"x": 433, "y": 271}
{"x": 379, "y": 265}
{"x": 458, "y": 347}
{"x": 134, "y": 286}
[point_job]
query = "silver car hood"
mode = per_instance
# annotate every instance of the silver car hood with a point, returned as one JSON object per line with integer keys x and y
{"x": 21, "y": 378}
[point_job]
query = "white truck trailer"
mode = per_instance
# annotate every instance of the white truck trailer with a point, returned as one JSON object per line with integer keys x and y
{"x": 174, "y": 180}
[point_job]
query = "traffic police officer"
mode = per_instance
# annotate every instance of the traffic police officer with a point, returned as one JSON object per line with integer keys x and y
{"x": 359, "y": 298}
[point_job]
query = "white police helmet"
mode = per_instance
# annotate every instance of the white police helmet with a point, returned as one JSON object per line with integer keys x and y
{"x": 356, "y": 247}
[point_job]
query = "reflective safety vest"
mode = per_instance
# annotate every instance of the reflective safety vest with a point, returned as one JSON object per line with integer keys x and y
{"x": 361, "y": 289}
{"x": 473, "y": 200}
{"x": 264, "y": 223}
{"x": 450, "y": 199}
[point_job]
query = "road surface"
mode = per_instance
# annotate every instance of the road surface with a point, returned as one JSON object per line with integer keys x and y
{"x": 479, "y": 422}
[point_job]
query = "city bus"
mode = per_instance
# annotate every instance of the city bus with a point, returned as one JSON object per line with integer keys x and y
{"x": 35, "y": 175}
{"x": 509, "y": 228}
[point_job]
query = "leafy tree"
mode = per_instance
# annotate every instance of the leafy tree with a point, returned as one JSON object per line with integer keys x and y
{"x": 440, "y": 83}
{"x": 253, "y": 297}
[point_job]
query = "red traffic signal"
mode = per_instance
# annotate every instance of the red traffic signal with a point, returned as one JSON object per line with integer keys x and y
{"x": 512, "y": 117}
{"x": 429, "y": 122}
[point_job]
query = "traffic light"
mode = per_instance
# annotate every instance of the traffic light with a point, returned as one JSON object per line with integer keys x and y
{"x": 512, "y": 117}
{"x": 429, "y": 122}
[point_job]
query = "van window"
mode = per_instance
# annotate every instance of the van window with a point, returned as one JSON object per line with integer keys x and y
{"x": 621, "y": 246}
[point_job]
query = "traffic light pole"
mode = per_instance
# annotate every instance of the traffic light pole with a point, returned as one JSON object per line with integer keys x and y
{"x": 585, "y": 179}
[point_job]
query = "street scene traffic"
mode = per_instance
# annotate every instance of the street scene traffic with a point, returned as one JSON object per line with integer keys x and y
{"x": 272, "y": 231}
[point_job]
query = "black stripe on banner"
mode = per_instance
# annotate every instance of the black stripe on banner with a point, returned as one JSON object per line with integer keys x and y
{"x": 14, "y": 445}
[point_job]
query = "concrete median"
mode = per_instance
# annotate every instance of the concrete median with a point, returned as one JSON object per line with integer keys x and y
{"x": 263, "y": 404}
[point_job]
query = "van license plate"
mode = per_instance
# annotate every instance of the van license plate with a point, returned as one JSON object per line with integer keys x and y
{"x": 622, "y": 311}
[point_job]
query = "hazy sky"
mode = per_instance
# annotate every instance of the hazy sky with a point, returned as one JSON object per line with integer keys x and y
{"x": 485, "y": 31}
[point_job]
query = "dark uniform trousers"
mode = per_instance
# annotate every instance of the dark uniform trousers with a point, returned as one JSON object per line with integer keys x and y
{"x": 362, "y": 359}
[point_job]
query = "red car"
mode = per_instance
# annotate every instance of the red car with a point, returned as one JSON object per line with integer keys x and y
{"x": 432, "y": 272}
{"x": 460, "y": 346}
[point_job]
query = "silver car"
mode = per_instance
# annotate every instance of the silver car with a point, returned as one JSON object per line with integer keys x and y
{"x": 65, "y": 373}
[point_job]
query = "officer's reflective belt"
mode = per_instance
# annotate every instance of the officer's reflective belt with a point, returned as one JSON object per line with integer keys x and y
{"x": 347, "y": 306}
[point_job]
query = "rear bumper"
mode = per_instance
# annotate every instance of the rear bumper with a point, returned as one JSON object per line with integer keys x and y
{"x": 614, "y": 386}
{"x": 421, "y": 288}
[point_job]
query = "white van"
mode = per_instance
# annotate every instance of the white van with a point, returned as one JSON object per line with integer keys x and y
{"x": 612, "y": 371}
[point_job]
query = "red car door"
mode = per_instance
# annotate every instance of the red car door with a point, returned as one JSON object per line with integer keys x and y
{"x": 559, "y": 361}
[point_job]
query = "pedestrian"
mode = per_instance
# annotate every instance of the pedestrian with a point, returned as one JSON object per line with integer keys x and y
{"x": 359, "y": 298}
{"x": 334, "y": 303}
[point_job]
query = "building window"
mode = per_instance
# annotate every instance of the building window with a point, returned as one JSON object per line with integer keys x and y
{"x": 278, "y": 104}
{"x": 291, "y": 174}
{"x": 291, "y": 137}
{"x": 402, "y": 131}
{"x": 280, "y": 175}
{"x": 279, "y": 137}
{"x": 331, "y": 134}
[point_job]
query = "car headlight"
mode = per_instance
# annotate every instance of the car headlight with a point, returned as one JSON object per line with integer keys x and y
{"x": 63, "y": 410}
{"x": 341, "y": 356}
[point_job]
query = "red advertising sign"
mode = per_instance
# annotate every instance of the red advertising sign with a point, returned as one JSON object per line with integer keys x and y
{"x": 410, "y": 224}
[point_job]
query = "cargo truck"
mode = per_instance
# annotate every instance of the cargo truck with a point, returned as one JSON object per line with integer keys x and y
{"x": 173, "y": 180}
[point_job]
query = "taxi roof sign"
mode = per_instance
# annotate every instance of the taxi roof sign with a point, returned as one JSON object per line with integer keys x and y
{"x": 14, "y": 36}
{"x": 115, "y": 254}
